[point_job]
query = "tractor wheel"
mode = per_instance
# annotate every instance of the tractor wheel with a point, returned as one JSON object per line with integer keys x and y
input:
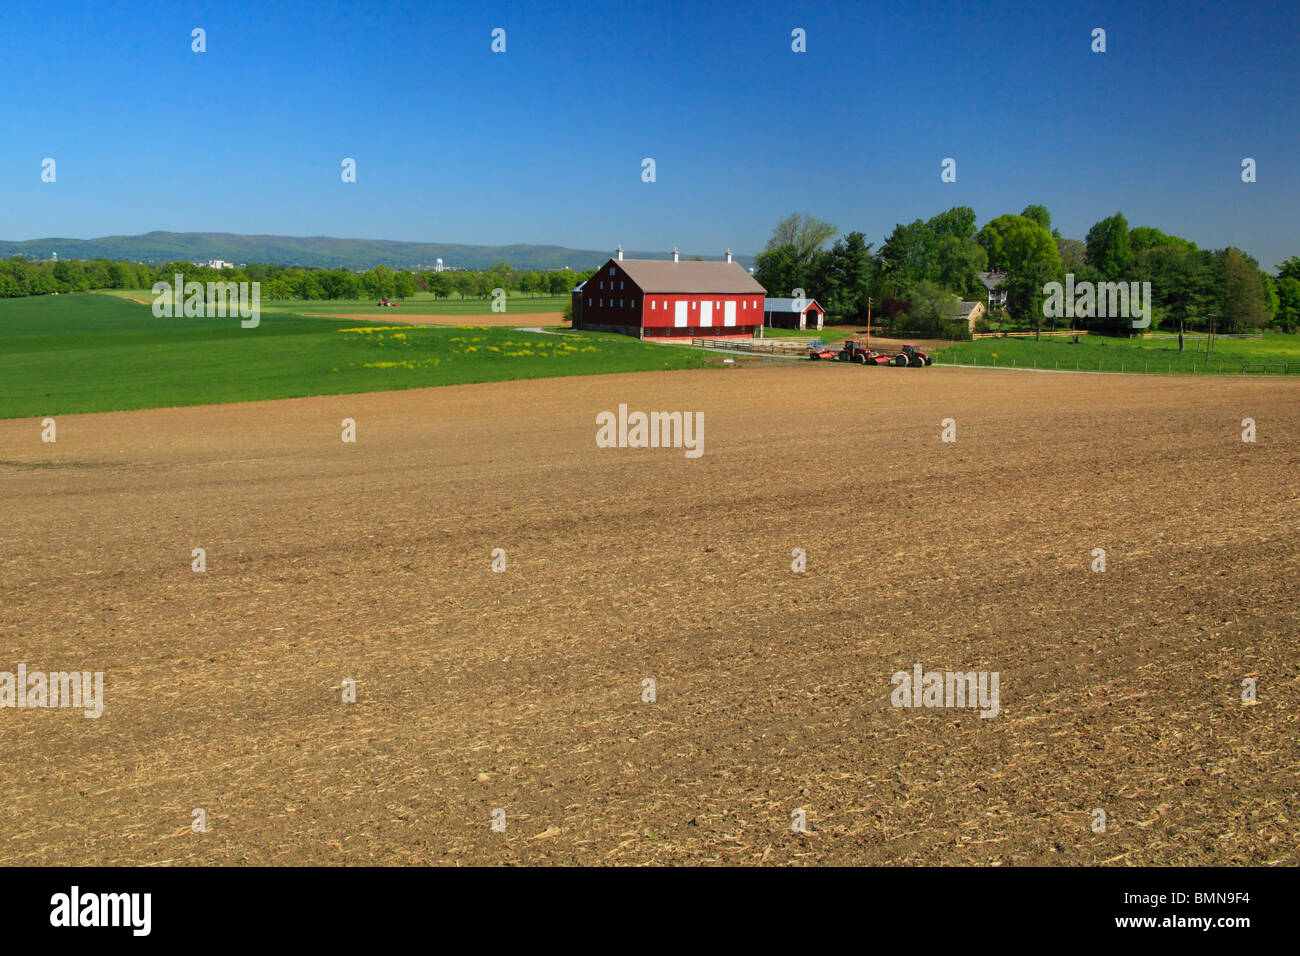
{"x": 900, "y": 360}
{"x": 860, "y": 359}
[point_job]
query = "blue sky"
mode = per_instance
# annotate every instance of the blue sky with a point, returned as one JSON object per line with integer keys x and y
{"x": 543, "y": 144}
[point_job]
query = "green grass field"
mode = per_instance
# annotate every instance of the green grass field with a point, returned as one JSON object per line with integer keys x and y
{"x": 422, "y": 303}
{"x": 1153, "y": 356}
{"x": 93, "y": 353}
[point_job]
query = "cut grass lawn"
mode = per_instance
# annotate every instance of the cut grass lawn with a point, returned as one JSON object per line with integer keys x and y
{"x": 1155, "y": 356}
{"x": 94, "y": 353}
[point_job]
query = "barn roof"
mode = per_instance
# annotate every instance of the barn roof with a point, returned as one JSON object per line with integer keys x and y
{"x": 664, "y": 275}
{"x": 788, "y": 305}
{"x": 991, "y": 280}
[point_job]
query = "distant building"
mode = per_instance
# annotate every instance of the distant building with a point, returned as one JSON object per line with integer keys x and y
{"x": 659, "y": 299}
{"x": 793, "y": 314}
{"x": 219, "y": 264}
{"x": 967, "y": 314}
{"x": 993, "y": 283}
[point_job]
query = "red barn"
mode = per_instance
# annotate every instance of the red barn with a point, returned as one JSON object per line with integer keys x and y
{"x": 665, "y": 299}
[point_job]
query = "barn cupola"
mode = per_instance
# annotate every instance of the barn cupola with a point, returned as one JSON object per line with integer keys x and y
{"x": 728, "y": 255}
{"x": 620, "y": 252}
{"x": 676, "y": 258}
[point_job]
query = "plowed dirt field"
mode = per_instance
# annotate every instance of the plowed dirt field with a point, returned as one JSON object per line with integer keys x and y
{"x": 522, "y": 690}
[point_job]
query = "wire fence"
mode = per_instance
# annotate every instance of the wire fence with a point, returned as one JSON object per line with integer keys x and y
{"x": 1123, "y": 366}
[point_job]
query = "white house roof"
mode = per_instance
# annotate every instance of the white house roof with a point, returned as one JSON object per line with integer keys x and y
{"x": 788, "y": 305}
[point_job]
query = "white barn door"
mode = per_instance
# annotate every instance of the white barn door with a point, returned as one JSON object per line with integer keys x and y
{"x": 679, "y": 315}
{"x": 729, "y": 313}
{"x": 706, "y": 313}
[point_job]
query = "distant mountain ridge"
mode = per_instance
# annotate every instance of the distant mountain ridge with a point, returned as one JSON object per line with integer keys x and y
{"x": 320, "y": 251}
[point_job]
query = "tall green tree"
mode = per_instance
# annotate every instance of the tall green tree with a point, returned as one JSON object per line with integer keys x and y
{"x": 1184, "y": 284}
{"x": 1073, "y": 254}
{"x": 1040, "y": 215}
{"x": 1243, "y": 303}
{"x": 1290, "y": 269}
{"x": 844, "y": 281}
{"x": 804, "y": 235}
{"x": 1110, "y": 251}
{"x": 958, "y": 222}
{"x": 1288, "y": 311}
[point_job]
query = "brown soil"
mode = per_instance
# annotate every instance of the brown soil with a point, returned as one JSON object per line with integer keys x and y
{"x": 522, "y": 690}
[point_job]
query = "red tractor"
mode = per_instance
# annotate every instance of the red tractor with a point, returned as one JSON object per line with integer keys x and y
{"x": 855, "y": 351}
{"x": 912, "y": 355}
{"x": 817, "y": 349}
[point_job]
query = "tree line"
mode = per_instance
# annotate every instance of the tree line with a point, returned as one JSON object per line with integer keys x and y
{"x": 921, "y": 271}
{"x": 20, "y": 276}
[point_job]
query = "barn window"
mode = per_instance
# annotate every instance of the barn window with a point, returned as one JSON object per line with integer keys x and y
{"x": 588, "y": 301}
{"x": 611, "y": 270}
{"x": 620, "y": 303}
{"x": 620, "y": 285}
{"x": 634, "y": 303}
{"x": 653, "y": 303}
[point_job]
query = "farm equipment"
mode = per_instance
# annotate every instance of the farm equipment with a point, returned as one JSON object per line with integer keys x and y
{"x": 388, "y": 303}
{"x": 912, "y": 355}
{"x": 855, "y": 351}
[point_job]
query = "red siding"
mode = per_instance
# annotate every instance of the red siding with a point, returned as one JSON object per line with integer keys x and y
{"x": 607, "y": 299}
{"x": 660, "y": 310}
